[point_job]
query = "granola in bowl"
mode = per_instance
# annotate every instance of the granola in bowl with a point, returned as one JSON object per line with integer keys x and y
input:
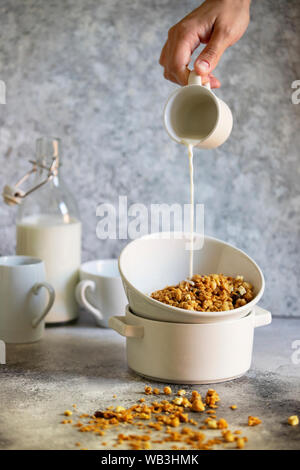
{"x": 207, "y": 293}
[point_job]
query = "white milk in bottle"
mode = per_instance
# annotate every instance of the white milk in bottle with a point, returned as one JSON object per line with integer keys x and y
{"x": 58, "y": 244}
{"x": 48, "y": 227}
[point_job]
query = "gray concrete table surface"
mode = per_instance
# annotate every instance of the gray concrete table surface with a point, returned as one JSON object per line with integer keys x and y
{"x": 86, "y": 366}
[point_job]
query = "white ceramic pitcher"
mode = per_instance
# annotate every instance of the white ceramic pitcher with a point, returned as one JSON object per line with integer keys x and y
{"x": 193, "y": 114}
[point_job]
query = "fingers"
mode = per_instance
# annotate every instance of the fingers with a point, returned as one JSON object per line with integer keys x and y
{"x": 175, "y": 59}
{"x": 176, "y": 54}
{"x": 214, "y": 82}
{"x": 177, "y": 51}
{"x": 211, "y": 54}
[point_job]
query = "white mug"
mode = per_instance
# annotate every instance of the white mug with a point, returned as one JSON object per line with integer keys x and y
{"x": 23, "y": 304}
{"x": 193, "y": 114}
{"x": 101, "y": 290}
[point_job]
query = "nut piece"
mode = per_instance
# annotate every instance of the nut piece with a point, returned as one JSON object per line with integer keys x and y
{"x": 228, "y": 436}
{"x": 212, "y": 398}
{"x": 240, "y": 443}
{"x": 198, "y": 405}
{"x": 119, "y": 409}
{"x": 195, "y": 395}
{"x": 253, "y": 421}
{"x": 222, "y": 423}
{"x": 178, "y": 401}
{"x": 167, "y": 390}
{"x": 293, "y": 420}
{"x": 212, "y": 424}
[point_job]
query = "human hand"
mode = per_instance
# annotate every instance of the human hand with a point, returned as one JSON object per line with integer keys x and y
{"x": 217, "y": 23}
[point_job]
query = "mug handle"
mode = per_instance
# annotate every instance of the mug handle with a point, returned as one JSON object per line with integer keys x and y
{"x": 36, "y": 288}
{"x": 82, "y": 300}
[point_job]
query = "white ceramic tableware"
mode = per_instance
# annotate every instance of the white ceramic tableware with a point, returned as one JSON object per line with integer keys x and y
{"x": 155, "y": 261}
{"x": 100, "y": 290}
{"x": 23, "y": 299}
{"x": 189, "y": 353}
{"x": 194, "y": 114}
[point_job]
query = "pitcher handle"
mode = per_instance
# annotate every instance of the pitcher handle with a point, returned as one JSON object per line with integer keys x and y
{"x": 36, "y": 288}
{"x": 195, "y": 79}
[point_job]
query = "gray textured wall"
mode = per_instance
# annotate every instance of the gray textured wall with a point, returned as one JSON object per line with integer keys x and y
{"x": 88, "y": 71}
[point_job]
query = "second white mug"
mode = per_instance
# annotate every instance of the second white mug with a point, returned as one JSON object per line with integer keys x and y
{"x": 100, "y": 290}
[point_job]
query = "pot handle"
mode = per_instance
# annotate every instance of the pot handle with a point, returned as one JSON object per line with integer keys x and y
{"x": 262, "y": 317}
{"x": 118, "y": 323}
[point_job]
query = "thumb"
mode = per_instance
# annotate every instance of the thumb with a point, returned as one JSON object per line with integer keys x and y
{"x": 211, "y": 54}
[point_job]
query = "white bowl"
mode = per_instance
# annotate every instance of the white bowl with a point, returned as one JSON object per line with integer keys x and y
{"x": 154, "y": 261}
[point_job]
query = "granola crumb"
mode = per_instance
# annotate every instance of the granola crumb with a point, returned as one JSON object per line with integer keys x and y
{"x": 148, "y": 390}
{"x": 293, "y": 420}
{"x": 68, "y": 413}
{"x": 167, "y": 390}
{"x": 228, "y": 436}
{"x": 212, "y": 424}
{"x": 178, "y": 401}
{"x": 222, "y": 423}
{"x": 233, "y": 407}
{"x": 240, "y": 443}
{"x": 156, "y": 391}
{"x": 198, "y": 405}
{"x": 253, "y": 421}
{"x": 212, "y": 398}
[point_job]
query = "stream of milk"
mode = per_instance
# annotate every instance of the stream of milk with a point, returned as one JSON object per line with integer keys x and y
{"x": 190, "y": 147}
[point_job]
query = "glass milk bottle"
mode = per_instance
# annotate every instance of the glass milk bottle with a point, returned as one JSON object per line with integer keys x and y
{"x": 49, "y": 228}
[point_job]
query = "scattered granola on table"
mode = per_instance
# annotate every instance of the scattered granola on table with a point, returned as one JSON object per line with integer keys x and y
{"x": 177, "y": 420}
{"x": 207, "y": 293}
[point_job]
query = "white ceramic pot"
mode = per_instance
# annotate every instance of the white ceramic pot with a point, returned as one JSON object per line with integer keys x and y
{"x": 189, "y": 353}
{"x": 155, "y": 261}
